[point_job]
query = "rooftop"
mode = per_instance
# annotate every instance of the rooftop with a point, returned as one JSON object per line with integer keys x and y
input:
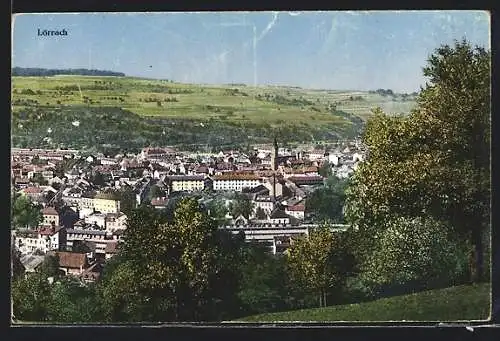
{"x": 233, "y": 176}
{"x": 71, "y": 259}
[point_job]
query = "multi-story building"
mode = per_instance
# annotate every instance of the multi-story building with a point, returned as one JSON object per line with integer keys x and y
{"x": 44, "y": 239}
{"x": 235, "y": 182}
{"x": 50, "y": 216}
{"x": 115, "y": 221}
{"x": 188, "y": 183}
{"x": 107, "y": 205}
{"x": 267, "y": 204}
{"x": 297, "y": 211}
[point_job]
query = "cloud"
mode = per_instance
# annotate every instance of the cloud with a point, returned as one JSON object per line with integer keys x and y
{"x": 294, "y": 14}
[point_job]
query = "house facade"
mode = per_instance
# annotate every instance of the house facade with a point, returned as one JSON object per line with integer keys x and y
{"x": 188, "y": 183}
{"x": 44, "y": 239}
{"x": 235, "y": 182}
{"x": 50, "y": 216}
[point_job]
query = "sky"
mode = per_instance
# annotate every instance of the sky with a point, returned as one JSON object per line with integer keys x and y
{"x": 341, "y": 50}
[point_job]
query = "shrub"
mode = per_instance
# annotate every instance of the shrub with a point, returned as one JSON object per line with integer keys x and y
{"x": 415, "y": 252}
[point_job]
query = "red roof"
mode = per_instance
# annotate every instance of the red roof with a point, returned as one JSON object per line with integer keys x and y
{"x": 159, "y": 201}
{"x": 32, "y": 190}
{"x": 47, "y": 230}
{"x": 296, "y": 208}
{"x": 49, "y": 211}
{"x": 72, "y": 259}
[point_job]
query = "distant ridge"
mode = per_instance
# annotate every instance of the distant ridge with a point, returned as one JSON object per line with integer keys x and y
{"x": 21, "y": 71}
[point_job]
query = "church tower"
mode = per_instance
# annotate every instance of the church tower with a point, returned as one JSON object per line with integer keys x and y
{"x": 274, "y": 156}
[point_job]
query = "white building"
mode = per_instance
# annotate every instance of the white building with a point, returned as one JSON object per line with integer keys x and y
{"x": 297, "y": 211}
{"x": 115, "y": 222}
{"x": 50, "y": 216}
{"x": 265, "y": 203}
{"x": 44, "y": 239}
{"x": 235, "y": 182}
{"x": 189, "y": 183}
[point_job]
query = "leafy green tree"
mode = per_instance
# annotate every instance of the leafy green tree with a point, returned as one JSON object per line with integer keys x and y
{"x": 98, "y": 179}
{"x": 260, "y": 213}
{"x": 241, "y": 205}
{"x": 263, "y": 284}
{"x": 25, "y": 213}
{"x": 39, "y": 179}
{"x": 70, "y": 301}
{"x": 127, "y": 200}
{"x": 30, "y": 298}
{"x": 17, "y": 266}
{"x": 327, "y": 202}
{"x": 434, "y": 162}
{"x": 413, "y": 251}
{"x": 156, "y": 192}
{"x": 170, "y": 270}
{"x": 50, "y": 266}
{"x": 316, "y": 263}
{"x": 217, "y": 210}
{"x": 325, "y": 170}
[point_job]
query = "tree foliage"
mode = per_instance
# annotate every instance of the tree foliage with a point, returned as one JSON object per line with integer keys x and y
{"x": 327, "y": 202}
{"x": 436, "y": 161}
{"x": 263, "y": 284}
{"x": 171, "y": 270}
{"x": 30, "y": 298}
{"x": 24, "y": 212}
{"x": 316, "y": 262}
{"x": 241, "y": 205}
{"x": 217, "y": 210}
{"x": 415, "y": 250}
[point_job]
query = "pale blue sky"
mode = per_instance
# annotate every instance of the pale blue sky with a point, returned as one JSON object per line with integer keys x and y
{"x": 359, "y": 50}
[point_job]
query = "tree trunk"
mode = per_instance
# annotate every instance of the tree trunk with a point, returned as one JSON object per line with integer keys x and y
{"x": 324, "y": 298}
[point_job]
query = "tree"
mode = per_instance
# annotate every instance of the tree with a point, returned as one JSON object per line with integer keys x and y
{"x": 241, "y": 205}
{"x": 411, "y": 251}
{"x": 315, "y": 262}
{"x": 127, "y": 200}
{"x": 17, "y": 266}
{"x": 70, "y": 301}
{"x": 98, "y": 179}
{"x": 263, "y": 284}
{"x": 24, "y": 213}
{"x": 39, "y": 179}
{"x": 327, "y": 202}
{"x": 217, "y": 210}
{"x": 170, "y": 270}
{"x": 436, "y": 161}
{"x": 325, "y": 170}
{"x": 30, "y": 297}
{"x": 260, "y": 213}
{"x": 156, "y": 192}
{"x": 50, "y": 266}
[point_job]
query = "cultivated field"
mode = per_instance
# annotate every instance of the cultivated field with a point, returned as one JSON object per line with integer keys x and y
{"x": 161, "y": 98}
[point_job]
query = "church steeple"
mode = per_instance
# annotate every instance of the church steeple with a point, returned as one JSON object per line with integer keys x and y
{"x": 274, "y": 155}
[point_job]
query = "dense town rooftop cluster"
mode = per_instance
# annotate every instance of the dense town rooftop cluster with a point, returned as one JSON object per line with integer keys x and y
{"x": 81, "y": 206}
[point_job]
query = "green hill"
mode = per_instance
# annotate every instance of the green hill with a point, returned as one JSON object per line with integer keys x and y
{"x": 467, "y": 302}
{"x": 228, "y": 113}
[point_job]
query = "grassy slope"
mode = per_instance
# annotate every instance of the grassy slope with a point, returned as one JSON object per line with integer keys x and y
{"x": 468, "y": 302}
{"x": 194, "y": 104}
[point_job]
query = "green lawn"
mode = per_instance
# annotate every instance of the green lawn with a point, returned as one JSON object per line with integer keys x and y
{"x": 460, "y": 303}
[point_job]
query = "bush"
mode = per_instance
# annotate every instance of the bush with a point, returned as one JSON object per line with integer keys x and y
{"x": 415, "y": 253}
